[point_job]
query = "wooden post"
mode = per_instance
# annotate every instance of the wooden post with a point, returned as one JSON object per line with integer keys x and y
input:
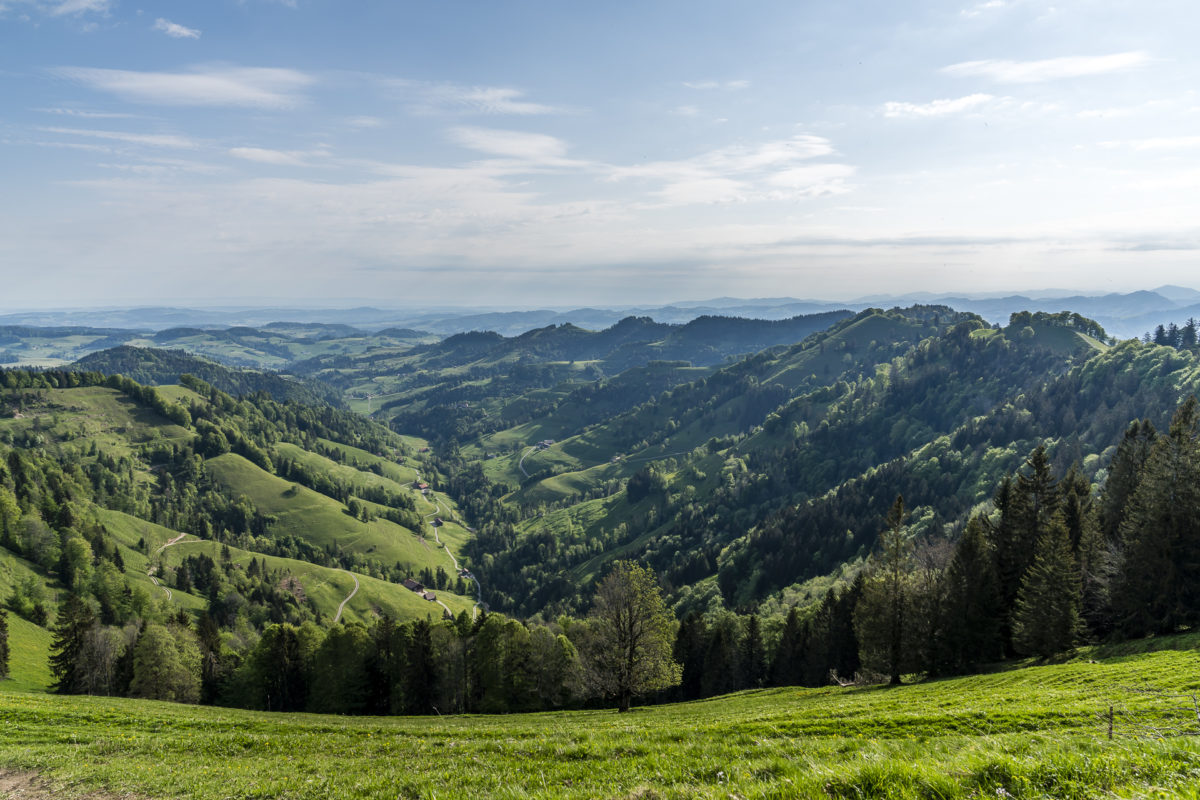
{"x": 1110, "y": 721}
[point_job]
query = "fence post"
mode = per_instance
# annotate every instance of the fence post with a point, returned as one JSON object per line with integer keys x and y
{"x": 1110, "y": 721}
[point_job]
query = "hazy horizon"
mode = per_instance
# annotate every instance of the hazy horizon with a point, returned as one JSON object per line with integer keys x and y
{"x": 350, "y": 304}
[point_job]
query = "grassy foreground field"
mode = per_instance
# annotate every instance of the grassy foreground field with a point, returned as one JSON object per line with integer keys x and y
{"x": 1032, "y": 733}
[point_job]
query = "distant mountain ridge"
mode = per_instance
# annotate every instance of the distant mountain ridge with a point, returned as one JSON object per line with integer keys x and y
{"x": 1122, "y": 314}
{"x": 154, "y": 367}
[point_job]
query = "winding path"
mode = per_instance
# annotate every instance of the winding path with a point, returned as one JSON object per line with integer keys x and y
{"x": 521, "y": 463}
{"x": 150, "y": 573}
{"x": 353, "y": 592}
{"x": 439, "y": 507}
{"x": 170, "y": 542}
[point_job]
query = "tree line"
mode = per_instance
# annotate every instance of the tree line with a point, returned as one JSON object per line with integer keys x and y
{"x": 490, "y": 664}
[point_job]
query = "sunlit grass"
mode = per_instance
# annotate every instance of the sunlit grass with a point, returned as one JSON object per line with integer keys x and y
{"x": 1030, "y": 733}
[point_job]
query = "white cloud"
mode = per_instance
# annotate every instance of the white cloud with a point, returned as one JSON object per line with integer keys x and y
{"x": 80, "y": 7}
{"x": 175, "y": 30}
{"x": 769, "y": 171}
{"x": 984, "y": 7}
{"x": 433, "y": 98}
{"x": 1048, "y": 69}
{"x": 148, "y": 139}
{"x": 82, "y": 113}
{"x": 364, "y": 122}
{"x": 733, "y": 160}
{"x": 281, "y": 158}
{"x": 937, "y": 108}
{"x": 536, "y": 147}
{"x": 710, "y": 85}
{"x": 254, "y": 87}
{"x": 686, "y": 111}
{"x": 1168, "y": 143}
{"x": 1156, "y": 143}
{"x": 814, "y": 179}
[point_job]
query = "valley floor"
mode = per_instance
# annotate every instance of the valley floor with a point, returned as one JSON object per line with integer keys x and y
{"x": 1038, "y": 732}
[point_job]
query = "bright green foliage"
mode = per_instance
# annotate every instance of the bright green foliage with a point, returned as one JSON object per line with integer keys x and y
{"x": 1032, "y": 734}
{"x": 340, "y": 677}
{"x": 629, "y": 636}
{"x": 166, "y": 665}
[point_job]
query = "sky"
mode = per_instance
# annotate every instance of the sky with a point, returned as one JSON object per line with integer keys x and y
{"x": 330, "y": 152}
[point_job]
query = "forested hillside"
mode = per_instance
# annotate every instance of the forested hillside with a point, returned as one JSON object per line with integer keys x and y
{"x": 985, "y": 479}
{"x": 203, "y": 521}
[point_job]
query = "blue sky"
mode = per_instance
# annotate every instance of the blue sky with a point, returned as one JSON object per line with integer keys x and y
{"x": 536, "y": 153}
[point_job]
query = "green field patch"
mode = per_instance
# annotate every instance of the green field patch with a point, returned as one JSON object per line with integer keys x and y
{"x": 28, "y": 654}
{"x": 347, "y": 474}
{"x": 318, "y": 519}
{"x": 327, "y": 587}
{"x": 1028, "y": 733}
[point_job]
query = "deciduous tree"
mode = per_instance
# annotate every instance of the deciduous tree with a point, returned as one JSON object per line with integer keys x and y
{"x": 630, "y": 636}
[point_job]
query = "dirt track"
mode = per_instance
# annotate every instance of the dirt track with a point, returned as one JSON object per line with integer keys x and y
{"x": 18, "y": 785}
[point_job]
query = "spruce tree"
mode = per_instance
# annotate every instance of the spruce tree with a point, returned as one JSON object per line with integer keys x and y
{"x": 1124, "y": 472}
{"x": 75, "y": 619}
{"x": 1159, "y": 588}
{"x": 841, "y": 649}
{"x": 1076, "y": 504}
{"x": 722, "y": 673}
{"x": 691, "y": 642}
{"x": 1098, "y": 568}
{"x": 787, "y": 667}
{"x": 881, "y": 618}
{"x": 754, "y": 656}
{"x": 1027, "y": 505}
{"x": 969, "y": 631}
{"x": 1046, "y": 619}
{"x": 3, "y": 644}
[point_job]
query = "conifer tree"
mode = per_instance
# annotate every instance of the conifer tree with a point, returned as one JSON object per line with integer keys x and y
{"x": 1076, "y": 505}
{"x": 1046, "y": 619}
{"x": 721, "y": 667}
{"x": 969, "y": 632}
{"x": 843, "y": 646}
{"x": 1160, "y": 586}
{"x": 753, "y": 656}
{"x": 75, "y": 619}
{"x": 691, "y": 642}
{"x": 1099, "y": 565}
{"x": 3, "y": 644}
{"x": 881, "y": 617}
{"x": 787, "y": 666}
{"x": 1028, "y": 505}
{"x": 1124, "y": 472}
{"x": 420, "y": 674}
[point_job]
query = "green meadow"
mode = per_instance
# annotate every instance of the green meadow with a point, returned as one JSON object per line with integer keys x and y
{"x": 1036, "y": 732}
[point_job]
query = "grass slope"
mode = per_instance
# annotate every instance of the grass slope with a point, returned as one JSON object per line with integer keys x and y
{"x": 328, "y": 587}
{"x": 28, "y": 657}
{"x": 1030, "y": 733}
{"x": 323, "y": 521}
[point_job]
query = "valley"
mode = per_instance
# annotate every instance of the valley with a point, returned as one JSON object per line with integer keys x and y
{"x": 418, "y": 527}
